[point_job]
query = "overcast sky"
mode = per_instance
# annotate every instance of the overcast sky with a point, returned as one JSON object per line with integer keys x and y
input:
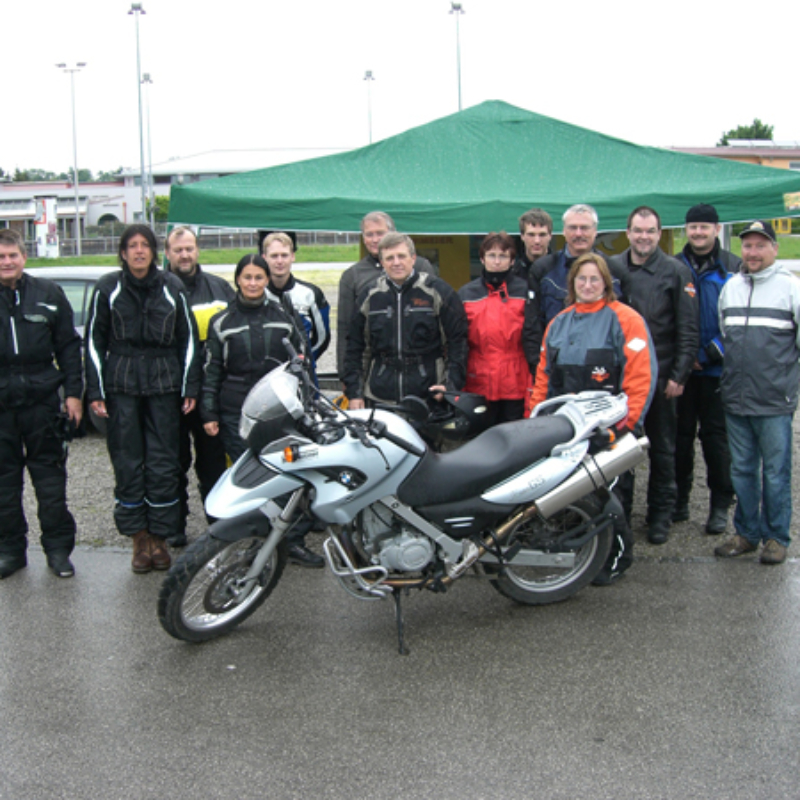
{"x": 239, "y": 74}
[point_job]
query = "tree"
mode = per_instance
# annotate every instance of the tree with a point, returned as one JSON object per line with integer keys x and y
{"x": 84, "y": 175}
{"x": 33, "y": 175}
{"x": 162, "y": 208}
{"x": 110, "y": 176}
{"x": 757, "y": 130}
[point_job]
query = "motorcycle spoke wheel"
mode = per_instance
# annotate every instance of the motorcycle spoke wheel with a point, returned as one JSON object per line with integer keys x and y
{"x": 200, "y": 599}
{"x": 549, "y": 584}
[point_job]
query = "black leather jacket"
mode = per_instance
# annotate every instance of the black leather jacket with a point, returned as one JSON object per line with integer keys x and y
{"x": 415, "y": 336}
{"x": 663, "y": 292}
{"x": 141, "y": 337}
{"x": 36, "y": 324}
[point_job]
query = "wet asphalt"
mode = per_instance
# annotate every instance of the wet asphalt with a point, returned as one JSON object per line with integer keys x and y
{"x": 680, "y": 681}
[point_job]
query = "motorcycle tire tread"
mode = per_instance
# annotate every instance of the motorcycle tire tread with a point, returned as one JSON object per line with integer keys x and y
{"x": 589, "y": 506}
{"x": 182, "y": 573}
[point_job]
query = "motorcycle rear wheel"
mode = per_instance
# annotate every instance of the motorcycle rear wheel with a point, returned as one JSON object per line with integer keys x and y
{"x": 197, "y": 602}
{"x": 540, "y": 585}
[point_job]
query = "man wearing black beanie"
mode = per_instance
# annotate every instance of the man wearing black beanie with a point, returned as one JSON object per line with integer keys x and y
{"x": 701, "y": 402}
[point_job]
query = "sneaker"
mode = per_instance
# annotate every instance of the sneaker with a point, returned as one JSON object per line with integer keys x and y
{"x": 736, "y": 546}
{"x": 717, "y": 520}
{"x": 773, "y": 553}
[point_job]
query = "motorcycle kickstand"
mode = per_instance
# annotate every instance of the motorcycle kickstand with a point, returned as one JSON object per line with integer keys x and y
{"x": 398, "y": 614}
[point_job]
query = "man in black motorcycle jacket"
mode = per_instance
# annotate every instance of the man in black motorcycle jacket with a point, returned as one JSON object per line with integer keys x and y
{"x": 411, "y": 327}
{"x": 663, "y": 292}
{"x": 36, "y": 327}
{"x": 208, "y": 294}
{"x": 374, "y": 226}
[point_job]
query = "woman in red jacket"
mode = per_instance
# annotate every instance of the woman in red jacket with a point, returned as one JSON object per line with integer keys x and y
{"x": 503, "y": 341}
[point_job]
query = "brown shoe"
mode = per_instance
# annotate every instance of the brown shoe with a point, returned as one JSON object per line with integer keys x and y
{"x": 773, "y": 553}
{"x": 142, "y": 561}
{"x": 159, "y": 553}
{"x": 736, "y": 546}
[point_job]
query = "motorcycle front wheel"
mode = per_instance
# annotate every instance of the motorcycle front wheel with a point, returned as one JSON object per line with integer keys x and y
{"x": 199, "y": 599}
{"x": 549, "y": 584}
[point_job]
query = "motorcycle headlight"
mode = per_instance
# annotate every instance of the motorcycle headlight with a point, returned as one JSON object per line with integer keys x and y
{"x": 273, "y": 398}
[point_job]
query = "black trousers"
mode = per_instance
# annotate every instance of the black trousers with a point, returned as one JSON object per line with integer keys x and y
{"x": 700, "y": 405}
{"x": 143, "y": 442}
{"x": 504, "y": 411}
{"x": 660, "y": 425}
{"x": 30, "y": 437}
{"x": 209, "y": 459}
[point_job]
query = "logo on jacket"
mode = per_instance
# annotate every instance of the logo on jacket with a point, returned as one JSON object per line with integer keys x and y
{"x": 600, "y": 374}
{"x": 690, "y": 289}
{"x": 421, "y": 302}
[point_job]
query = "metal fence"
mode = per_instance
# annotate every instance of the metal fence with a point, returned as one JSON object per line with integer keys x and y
{"x": 219, "y": 239}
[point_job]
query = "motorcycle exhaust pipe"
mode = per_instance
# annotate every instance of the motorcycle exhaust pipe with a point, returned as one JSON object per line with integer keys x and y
{"x": 595, "y": 472}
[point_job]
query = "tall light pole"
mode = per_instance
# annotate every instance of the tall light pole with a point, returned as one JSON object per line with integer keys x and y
{"x": 147, "y": 81}
{"x": 72, "y": 70}
{"x": 458, "y": 10}
{"x": 369, "y": 77}
{"x": 136, "y": 10}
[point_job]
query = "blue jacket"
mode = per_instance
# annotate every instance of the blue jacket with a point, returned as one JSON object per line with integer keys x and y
{"x": 547, "y": 279}
{"x": 713, "y": 275}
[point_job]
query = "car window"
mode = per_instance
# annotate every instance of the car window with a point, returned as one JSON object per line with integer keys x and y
{"x": 76, "y": 292}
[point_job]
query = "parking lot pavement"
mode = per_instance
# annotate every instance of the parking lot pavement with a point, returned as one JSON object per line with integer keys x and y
{"x": 680, "y": 681}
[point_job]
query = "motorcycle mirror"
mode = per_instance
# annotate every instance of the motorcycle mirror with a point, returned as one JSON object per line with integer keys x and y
{"x": 414, "y": 408}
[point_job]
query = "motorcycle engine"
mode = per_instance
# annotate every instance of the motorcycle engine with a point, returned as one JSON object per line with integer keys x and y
{"x": 388, "y": 541}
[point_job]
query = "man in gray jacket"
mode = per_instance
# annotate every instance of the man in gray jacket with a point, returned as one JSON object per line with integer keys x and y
{"x": 760, "y": 320}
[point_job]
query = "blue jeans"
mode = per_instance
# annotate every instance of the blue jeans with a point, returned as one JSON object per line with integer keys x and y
{"x": 761, "y": 472}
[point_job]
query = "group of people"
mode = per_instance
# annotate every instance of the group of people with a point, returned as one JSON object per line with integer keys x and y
{"x": 544, "y": 323}
{"x": 700, "y": 341}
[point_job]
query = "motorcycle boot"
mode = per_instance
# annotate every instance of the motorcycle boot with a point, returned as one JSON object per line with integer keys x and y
{"x": 142, "y": 561}
{"x": 717, "y": 520}
{"x": 159, "y": 554}
{"x": 658, "y": 530}
{"x": 681, "y": 511}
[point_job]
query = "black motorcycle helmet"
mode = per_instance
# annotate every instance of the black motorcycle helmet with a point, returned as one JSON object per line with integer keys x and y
{"x": 457, "y": 417}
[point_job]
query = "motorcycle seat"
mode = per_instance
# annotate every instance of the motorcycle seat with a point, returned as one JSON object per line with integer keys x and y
{"x": 495, "y": 455}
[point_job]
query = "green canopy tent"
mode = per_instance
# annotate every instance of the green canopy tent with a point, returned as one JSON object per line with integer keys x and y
{"x": 477, "y": 171}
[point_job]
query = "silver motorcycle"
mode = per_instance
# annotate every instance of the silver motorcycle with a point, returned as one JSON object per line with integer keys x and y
{"x": 525, "y": 504}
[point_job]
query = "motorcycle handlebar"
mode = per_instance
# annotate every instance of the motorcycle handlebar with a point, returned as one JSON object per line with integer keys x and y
{"x": 380, "y": 430}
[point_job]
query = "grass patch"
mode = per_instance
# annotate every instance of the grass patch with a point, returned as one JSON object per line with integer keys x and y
{"x": 342, "y": 253}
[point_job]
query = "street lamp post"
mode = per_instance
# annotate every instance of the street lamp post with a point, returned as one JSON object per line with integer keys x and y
{"x": 147, "y": 81}
{"x": 72, "y": 70}
{"x": 136, "y": 10}
{"x": 369, "y": 77}
{"x": 458, "y": 10}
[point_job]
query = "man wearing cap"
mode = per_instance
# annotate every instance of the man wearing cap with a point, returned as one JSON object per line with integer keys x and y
{"x": 701, "y": 403}
{"x": 759, "y": 313}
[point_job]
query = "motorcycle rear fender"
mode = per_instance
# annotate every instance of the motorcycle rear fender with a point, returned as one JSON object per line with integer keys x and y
{"x": 253, "y": 523}
{"x": 233, "y": 496}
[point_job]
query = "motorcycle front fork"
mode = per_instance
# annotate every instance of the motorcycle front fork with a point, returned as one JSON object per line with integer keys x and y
{"x": 280, "y": 521}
